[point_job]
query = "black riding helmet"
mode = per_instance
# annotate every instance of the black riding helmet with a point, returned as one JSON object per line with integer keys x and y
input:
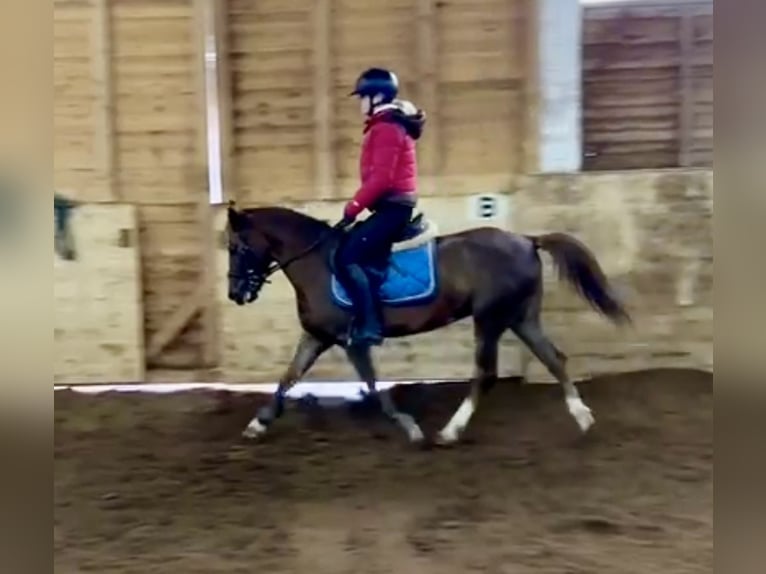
{"x": 377, "y": 81}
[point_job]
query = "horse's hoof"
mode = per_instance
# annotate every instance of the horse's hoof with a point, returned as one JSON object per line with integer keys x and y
{"x": 582, "y": 414}
{"x": 445, "y": 439}
{"x": 255, "y": 429}
{"x": 416, "y": 435}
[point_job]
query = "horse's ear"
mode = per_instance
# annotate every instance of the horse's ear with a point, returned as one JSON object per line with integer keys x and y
{"x": 237, "y": 219}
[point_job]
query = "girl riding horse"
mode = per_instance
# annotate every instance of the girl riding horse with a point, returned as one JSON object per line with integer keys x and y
{"x": 389, "y": 173}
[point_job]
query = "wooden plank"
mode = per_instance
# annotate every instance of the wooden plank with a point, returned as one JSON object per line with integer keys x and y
{"x": 210, "y": 351}
{"x": 530, "y": 154}
{"x": 647, "y": 8}
{"x": 201, "y": 25}
{"x": 178, "y": 321}
{"x": 430, "y": 151}
{"x": 686, "y": 89}
{"x": 204, "y": 38}
{"x": 324, "y": 153}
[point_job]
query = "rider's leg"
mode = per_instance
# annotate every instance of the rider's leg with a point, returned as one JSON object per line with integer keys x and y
{"x": 368, "y": 243}
{"x": 350, "y": 273}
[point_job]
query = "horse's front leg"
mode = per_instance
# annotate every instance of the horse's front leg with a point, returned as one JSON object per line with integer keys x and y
{"x": 362, "y": 362}
{"x": 309, "y": 349}
{"x": 487, "y": 337}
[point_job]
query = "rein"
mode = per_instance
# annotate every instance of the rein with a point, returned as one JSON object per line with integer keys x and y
{"x": 275, "y": 266}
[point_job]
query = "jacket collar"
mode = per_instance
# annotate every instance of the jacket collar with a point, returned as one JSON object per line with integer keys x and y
{"x": 380, "y": 114}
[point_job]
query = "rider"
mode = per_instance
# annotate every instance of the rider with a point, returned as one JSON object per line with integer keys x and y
{"x": 388, "y": 169}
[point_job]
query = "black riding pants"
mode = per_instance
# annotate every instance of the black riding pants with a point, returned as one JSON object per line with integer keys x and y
{"x": 369, "y": 243}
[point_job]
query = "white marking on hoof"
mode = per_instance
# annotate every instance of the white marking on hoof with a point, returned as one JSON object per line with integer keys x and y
{"x": 410, "y": 426}
{"x": 444, "y": 437}
{"x": 254, "y": 429}
{"x": 416, "y": 435}
{"x": 581, "y": 413}
{"x": 451, "y": 431}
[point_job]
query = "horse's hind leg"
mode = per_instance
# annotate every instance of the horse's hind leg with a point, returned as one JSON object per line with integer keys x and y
{"x": 487, "y": 335}
{"x": 309, "y": 349}
{"x": 531, "y": 333}
{"x": 362, "y": 361}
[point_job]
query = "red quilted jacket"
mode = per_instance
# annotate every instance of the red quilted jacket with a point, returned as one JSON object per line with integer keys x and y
{"x": 388, "y": 163}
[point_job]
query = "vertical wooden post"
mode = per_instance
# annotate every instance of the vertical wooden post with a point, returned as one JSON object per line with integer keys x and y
{"x": 685, "y": 88}
{"x": 200, "y": 29}
{"x": 103, "y": 80}
{"x": 324, "y": 152}
{"x": 430, "y": 153}
{"x": 203, "y": 29}
{"x": 530, "y": 34}
{"x": 209, "y": 306}
{"x": 220, "y": 16}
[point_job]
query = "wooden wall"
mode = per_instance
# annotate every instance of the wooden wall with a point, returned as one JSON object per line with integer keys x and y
{"x": 648, "y": 85}
{"x": 129, "y": 127}
{"x": 294, "y": 131}
{"x": 126, "y": 107}
{"x": 76, "y": 102}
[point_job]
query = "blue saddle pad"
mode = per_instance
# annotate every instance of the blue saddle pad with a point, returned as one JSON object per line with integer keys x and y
{"x": 410, "y": 278}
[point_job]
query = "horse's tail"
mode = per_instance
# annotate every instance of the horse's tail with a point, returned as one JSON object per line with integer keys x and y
{"x": 580, "y": 268}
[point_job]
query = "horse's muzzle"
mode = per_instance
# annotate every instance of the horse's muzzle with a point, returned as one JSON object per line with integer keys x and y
{"x": 243, "y": 297}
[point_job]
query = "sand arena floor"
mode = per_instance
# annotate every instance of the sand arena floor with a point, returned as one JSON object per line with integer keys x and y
{"x": 147, "y": 483}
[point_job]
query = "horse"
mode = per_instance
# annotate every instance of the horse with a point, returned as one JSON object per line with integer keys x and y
{"x": 486, "y": 273}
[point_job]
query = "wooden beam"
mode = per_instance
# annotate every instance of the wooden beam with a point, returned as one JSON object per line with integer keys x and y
{"x": 530, "y": 41}
{"x": 178, "y": 321}
{"x": 220, "y": 16}
{"x": 645, "y": 8}
{"x": 685, "y": 90}
{"x": 210, "y": 349}
{"x": 206, "y": 89}
{"x": 430, "y": 151}
{"x": 103, "y": 80}
{"x": 200, "y": 27}
{"x": 324, "y": 151}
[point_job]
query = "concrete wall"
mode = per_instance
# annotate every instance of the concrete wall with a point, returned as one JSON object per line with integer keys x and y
{"x": 650, "y": 230}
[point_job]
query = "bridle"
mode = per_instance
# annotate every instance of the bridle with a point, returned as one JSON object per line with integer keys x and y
{"x": 257, "y": 273}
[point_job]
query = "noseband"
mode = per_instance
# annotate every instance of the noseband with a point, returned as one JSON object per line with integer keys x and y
{"x": 255, "y": 270}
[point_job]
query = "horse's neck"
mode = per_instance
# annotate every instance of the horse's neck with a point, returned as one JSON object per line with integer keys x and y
{"x": 301, "y": 255}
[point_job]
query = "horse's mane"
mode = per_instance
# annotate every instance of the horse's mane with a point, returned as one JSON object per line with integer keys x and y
{"x": 285, "y": 217}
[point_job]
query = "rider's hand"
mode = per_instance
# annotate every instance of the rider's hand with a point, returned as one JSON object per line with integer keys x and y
{"x": 352, "y": 210}
{"x": 344, "y": 223}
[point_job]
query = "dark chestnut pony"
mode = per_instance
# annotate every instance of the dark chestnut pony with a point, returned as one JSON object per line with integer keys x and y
{"x": 491, "y": 275}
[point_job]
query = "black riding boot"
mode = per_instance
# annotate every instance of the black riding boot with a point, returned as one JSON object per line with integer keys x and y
{"x": 366, "y": 328}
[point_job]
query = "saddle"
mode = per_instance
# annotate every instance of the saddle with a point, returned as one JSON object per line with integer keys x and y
{"x": 408, "y": 276}
{"x": 415, "y": 227}
{"x": 418, "y": 231}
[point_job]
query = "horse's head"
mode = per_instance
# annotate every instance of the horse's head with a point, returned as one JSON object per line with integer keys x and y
{"x": 250, "y": 260}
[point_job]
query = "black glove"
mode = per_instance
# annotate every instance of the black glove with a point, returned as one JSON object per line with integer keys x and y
{"x": 343, "y": 224}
